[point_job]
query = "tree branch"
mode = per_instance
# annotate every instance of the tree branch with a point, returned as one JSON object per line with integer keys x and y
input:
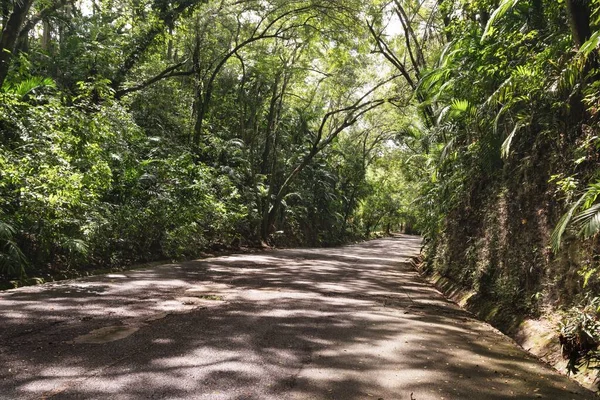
{"x": 389, "y": 55}
{"x": 167, "y": 73}
{"x": 43, "y": 14}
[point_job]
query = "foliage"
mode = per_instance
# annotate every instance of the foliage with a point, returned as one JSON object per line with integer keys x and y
{"x": 580, "y": 336}
{"x": 134, "y": 132}
{"x": 505, "y": 144}
{"x": 584, "y": 215}
{"x": 164, "y": 129}
{"x": 12, "y": 259}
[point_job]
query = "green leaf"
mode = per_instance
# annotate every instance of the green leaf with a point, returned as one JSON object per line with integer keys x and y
{"x": 564, "y": 221}
{"x": 589, "y": 221}
{"x": 508, "y": 142}
{"x": 502, "y": 9}
{"x": 591, "y": 44}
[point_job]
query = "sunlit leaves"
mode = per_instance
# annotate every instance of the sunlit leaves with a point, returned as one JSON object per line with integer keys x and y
{"x": 583, "y": 215}
{"x": 503, "y": 8}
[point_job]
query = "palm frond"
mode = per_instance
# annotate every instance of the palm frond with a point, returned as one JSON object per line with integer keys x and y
{"x": 12, "y": 259}
{"x": 563, "y": 223}
{"x": 508, "y": 142}
{"x": 75, "y": 246}
{"x": 442, "y": 115}
{"x": 25, "y": 87}
{"x": 431, "y": 79}
{"x": 500, "y": 95}
{"x": 571, "y": 74}
{"x": 448, "y": 148}
{"x": 498, "y": 13}
{"x": 6, "y": 231}
{"x": 588, "y": 221}
{"x": 591, "y": 44}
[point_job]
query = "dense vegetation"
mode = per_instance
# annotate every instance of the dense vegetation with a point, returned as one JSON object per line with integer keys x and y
{"x": 135, "y": 130}
{"x": 141, "y": 130}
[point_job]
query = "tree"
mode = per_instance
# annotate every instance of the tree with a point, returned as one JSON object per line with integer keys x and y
{"x": 579, "y": 20}
{"x": 10, "y": 34}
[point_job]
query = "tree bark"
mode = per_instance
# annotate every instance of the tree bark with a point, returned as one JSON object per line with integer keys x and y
{"x": 5, "y": 13}
{"x": 10, "y": 34}
{"x": 46, "y": 35}
{"x": 265, "y": 165}
{"x": 140, "y": 45}
{"x": 205, "y": 101}
{"x": 353, "y": 114}
{"x": 170, "y": 43}
{"x": 42, "y": 15}
{"x": 579, "y": 20}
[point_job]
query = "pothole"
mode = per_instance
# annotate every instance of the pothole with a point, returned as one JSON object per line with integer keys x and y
{"x": 211, "y": 289}
{"x": 107, "y": 334}
{"x": 118, "y": 332}
{"x": 213, "y": 297}
{"x": 195, "y": 298}
{"x": 215, "y": 292}
{"x": 199, "y": 299}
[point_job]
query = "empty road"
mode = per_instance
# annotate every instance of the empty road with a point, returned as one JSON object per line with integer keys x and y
{"x": 347, "y": 323}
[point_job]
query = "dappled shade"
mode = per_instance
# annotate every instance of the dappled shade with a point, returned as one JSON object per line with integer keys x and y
{"x": 349, "y": 323}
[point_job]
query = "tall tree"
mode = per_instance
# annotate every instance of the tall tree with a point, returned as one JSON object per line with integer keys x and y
{"x": 579, "y": 20}
{"x": 10, "y": 34}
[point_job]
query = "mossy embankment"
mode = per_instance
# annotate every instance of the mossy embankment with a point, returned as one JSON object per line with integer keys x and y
{"x": 494, "y": 255}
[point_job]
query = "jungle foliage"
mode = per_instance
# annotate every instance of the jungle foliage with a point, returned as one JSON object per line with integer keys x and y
{"x": 511, "y": 203}
{"x": 136, "y": 130}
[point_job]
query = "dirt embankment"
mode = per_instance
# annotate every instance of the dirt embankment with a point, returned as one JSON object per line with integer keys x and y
{"x": 538, "y": 336}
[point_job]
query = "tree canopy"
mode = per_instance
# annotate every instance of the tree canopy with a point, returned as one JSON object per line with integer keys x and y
{"x": 135, "y": 130}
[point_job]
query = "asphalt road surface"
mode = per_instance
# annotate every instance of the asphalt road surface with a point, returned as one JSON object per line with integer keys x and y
{"x": 347, "y": 323}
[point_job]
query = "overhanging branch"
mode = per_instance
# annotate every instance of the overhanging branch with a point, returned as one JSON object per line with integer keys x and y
{"x": 167, "y": 73}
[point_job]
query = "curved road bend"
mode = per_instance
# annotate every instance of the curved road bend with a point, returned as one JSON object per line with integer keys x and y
{"x": 346, "y": 323}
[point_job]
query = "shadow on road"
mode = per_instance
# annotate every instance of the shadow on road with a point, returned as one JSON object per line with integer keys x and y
{"x": 347, "y": 323}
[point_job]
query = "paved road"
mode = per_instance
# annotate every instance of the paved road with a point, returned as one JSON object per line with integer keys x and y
{"x": 348, "y": 323}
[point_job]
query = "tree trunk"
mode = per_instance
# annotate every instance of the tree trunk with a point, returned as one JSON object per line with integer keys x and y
{"x": 170, "y": 44}
{"x": 46, "y": 35}
{"x": 198, "y": 106}
{"x": 200, "y": 115}
{"x": 347, "y": 210}
{"x": 10, "y": 34}
{"x": 271, "y": 122}
{"x": 579, "y": 20}
{"x": 5, "y": 13}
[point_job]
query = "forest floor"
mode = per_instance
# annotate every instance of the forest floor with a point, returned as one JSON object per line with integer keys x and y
{"x": 355, "y": 322}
